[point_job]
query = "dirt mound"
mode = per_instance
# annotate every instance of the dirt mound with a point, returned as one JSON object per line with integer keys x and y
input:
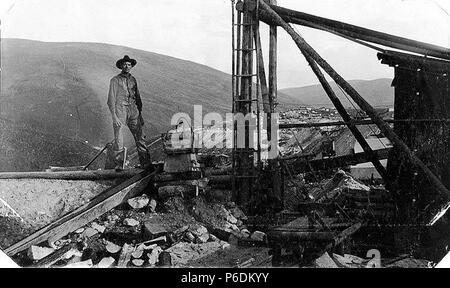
{"x": 30, "y": 204}
{"x": 13, "y": 227}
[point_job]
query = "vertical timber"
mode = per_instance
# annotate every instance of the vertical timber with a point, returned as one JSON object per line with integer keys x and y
{"x": 346, "y": 117}
{"x": 273, "y": 95}
{"x": 384, "y": 127}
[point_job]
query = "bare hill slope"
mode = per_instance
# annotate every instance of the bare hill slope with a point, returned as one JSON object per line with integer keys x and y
{"x": 62, "y": 87}
{"x": 377, "y": 92}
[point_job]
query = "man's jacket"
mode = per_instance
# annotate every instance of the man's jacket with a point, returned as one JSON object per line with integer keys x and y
{"x": 123, "y": 90}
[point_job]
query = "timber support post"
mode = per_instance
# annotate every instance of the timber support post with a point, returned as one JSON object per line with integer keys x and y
{"x": 353, "y": 32}
{"x": 346, "y": 117}
{"x": 365, "y": 106}
{"x": 242, "y": 100}
{"x": 274, "y": 166}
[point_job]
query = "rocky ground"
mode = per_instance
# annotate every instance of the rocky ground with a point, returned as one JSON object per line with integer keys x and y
{"x": 147, "y": 233}
{"x": 191, "y": 230}
{"x": 29, "y": 204}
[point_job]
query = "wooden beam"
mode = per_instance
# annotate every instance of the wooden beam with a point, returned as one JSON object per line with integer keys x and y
{"x": 54, "y": 257}
{"x": 262, "y": 76}
{"x": 358, "y": 122}
{"x": 343, "y": 235}
{"x": 95, "y": 157}
{"x": 279, "y": 234}
{"x": 202, "y": 183}
{"x": 273, "y": 98}
{"x": 245, "y": 95}
{"x": 273, "y": 46}
{"x": 83, "y": 215}
{"x": 302, "y": 166}
{"x": 344, "y": 114}
{"x": 327, "y": 124}
{"x": 125, "y": 255}
{"x": 64, "y": 169}
{"x": 73, "y": 175}
{"x": 352, "y": 31}
{"x": 365, "y": 106}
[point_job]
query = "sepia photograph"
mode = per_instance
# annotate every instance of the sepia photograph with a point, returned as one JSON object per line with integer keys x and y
{"x": 229, "y": 134}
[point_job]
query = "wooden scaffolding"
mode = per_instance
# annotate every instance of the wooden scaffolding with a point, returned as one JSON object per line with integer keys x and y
{"x": 255, "y": 11}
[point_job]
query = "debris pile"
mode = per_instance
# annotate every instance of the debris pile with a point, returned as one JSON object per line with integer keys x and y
{"x": 356, "y": 199}
{"x": 27, "y": 205}
{"x": 148, "y": 231}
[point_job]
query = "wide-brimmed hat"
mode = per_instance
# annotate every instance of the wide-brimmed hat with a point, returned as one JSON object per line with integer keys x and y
{"x": 125, "y": 58}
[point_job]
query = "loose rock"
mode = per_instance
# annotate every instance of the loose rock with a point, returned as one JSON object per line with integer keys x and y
{"x": 130, "y": 222}
{"x": 37, "y": 253}
{"x": 189, "y": 236}
{"x": 153, "y": 230}
{"x": 152, "y": 206}
{"x": 258, "y": 236}
{"x": 230, "y": 218}
{"x": 165, "y": 259}
{"x": 98, "y": 227}
{"x": 125, "y": 255}
{"x": 154, "y": 256}
{"x": 245, "y": 233}
{"x": 62, "y": 242}
{"x": 106, "y": 262}
{"x": 200, "y": 232}
{"x": 325, "y": 261}
{"x": 138, "y": 262}
{"x": 139, "y": 202}
{"x": 238, "y": 213}
{"x": 84, "y": 264}
{"x": 71, "y": 253}
{"x": 225, "y": 246}
{"x": 89, "y": 232}
{"x": 213, "y": 238}
{"x": 145, "y": 247}
{"x": 112, "y": 248}
{"x": 137, "y": 253}
{"x": 79, "y": 231}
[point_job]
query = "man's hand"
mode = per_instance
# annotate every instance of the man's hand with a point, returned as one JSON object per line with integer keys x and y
{"x": 117, "y": 122}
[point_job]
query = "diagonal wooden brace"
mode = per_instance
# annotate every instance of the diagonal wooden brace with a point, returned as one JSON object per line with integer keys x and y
{"x": 363, "y": 104}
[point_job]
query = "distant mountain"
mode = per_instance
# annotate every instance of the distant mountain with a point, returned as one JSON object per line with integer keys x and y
{"x": 377, "y": 92}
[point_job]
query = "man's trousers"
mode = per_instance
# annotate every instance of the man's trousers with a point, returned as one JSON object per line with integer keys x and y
{"x": 129, "y": 116}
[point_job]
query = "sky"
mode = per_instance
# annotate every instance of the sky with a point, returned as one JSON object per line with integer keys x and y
{"x": 200, "y": 30}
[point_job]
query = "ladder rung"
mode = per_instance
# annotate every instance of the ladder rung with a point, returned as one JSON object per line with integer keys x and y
{"x": 247, "y": 100}
{"x": 243, "y": 24}
{"x": 246, "y": 75}
{"x": 245, "y": 49}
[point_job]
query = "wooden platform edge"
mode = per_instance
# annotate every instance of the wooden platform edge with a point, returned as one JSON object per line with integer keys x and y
{"x": 73, "y": 175}
{"x": 81, "y": 216}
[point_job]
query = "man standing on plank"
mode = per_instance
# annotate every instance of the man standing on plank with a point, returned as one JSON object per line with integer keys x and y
{"x": 125, "y": 105}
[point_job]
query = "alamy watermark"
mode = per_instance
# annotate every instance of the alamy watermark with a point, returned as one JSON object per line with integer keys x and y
{"x": 213, "y": 131}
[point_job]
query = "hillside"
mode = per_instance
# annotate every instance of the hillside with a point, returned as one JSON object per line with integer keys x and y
{"x": 377, "y": 92}
{"x": 24, "y": 148}
{"x": 62, "y": 88}
{"x": 59, "y": 91}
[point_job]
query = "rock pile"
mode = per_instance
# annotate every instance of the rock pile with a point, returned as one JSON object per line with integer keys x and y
{"x": 139, "y": 236}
